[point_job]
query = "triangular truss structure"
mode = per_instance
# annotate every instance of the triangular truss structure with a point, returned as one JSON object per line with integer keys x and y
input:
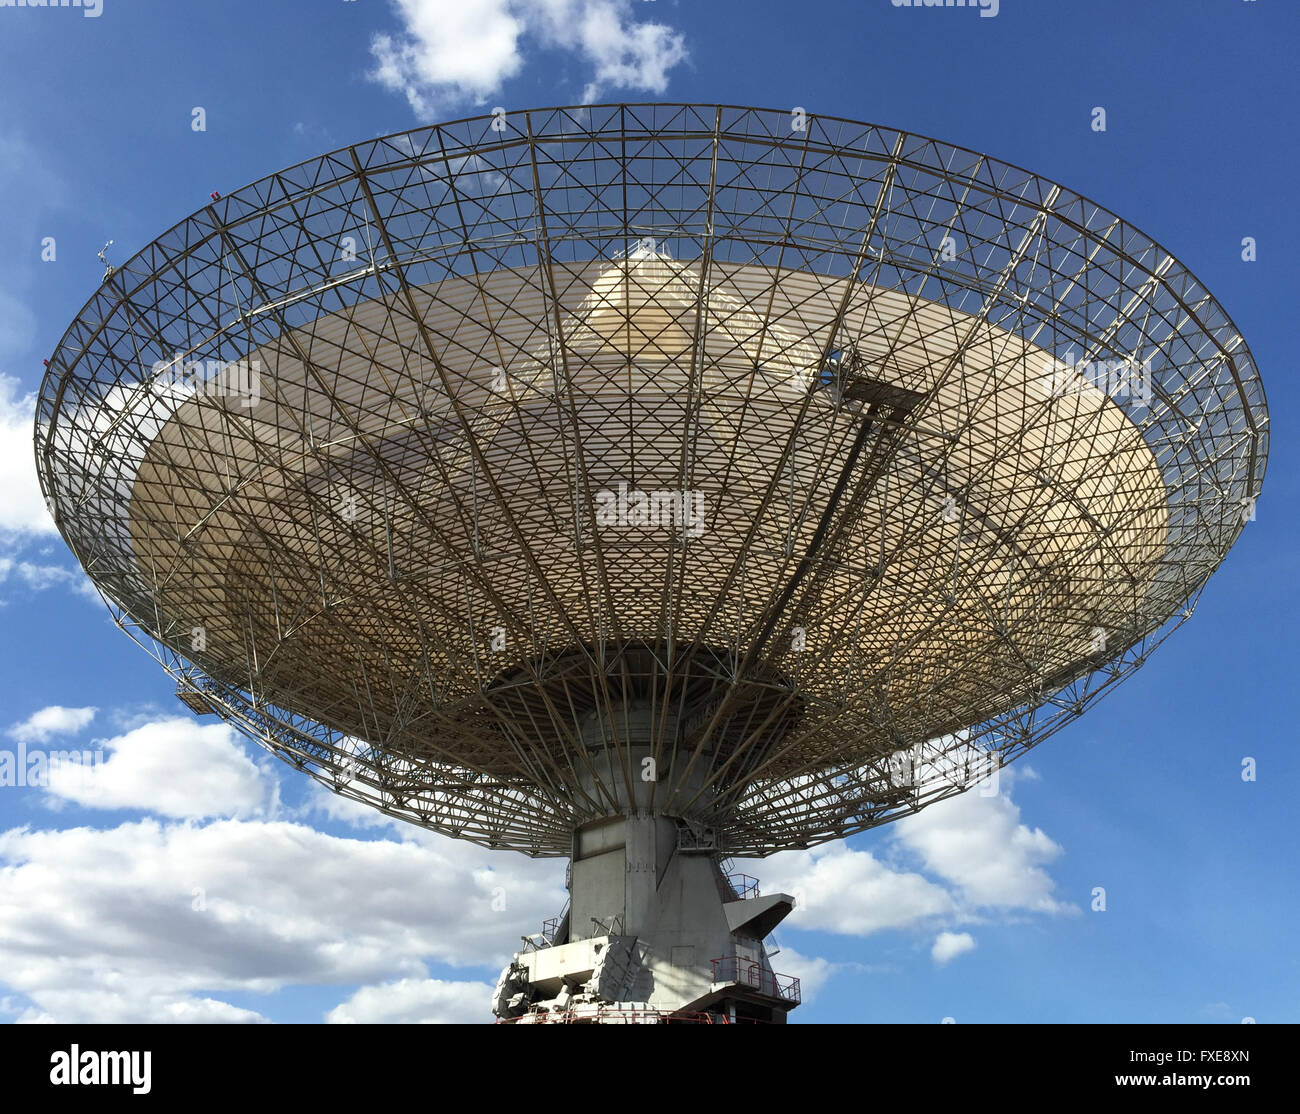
{"x": 861, "y": 461}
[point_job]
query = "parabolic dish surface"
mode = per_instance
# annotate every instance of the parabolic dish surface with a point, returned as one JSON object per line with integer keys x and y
{"x": 913, "y": 531}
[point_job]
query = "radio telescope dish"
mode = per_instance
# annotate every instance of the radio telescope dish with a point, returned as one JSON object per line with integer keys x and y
{"x": 649, "y": 484}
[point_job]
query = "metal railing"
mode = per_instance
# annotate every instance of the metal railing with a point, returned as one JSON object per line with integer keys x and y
{"x": 742, "y": 885}
{"x": 600, "y": 1015}
{"x": 608, "y": 926}
{"x": 550, "y": 930}
{"x": 747, "y": 972}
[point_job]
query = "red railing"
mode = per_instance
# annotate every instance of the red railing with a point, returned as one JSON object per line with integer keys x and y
{"x": 602, "y": 1016}
{"x": 750, "y": 973}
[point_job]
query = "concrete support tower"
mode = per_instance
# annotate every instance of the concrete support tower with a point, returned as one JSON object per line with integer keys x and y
{"x": 656, "y": 926}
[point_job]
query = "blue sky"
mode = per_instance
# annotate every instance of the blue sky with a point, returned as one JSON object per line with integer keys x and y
{"x": 243, "y": 893}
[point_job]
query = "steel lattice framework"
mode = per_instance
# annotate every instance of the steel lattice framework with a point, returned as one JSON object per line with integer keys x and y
{"x": 790, "y": 435}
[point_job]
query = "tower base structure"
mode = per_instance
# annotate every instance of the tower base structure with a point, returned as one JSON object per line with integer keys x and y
{"x": 654, "y": 932}
{"x": 657, "y": 929}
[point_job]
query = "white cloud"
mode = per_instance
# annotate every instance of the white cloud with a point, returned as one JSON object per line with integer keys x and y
{"x": 172, "y": 767}
{"x": 448, "y": 52}
{"x": 811, "y": 971}
{"x": 985, "y": 859}
{"x": 153, "y": 921}
{"x": 54, "y": 720}
{"x": 462, "y": 51}
{"x": 623, "y": 54}
{"x": 22, "y": 509}
{"x": 414, "y": 1002}
{"x": 112, "y": 1007}
{"x": 147, "y": 920}
{"x": 979, "y": 846}
{"x": 842, "y": 890}
{"x": 949, "y": 945}
{"x": 346, "y": 810}
{"x": 39, "y": 578}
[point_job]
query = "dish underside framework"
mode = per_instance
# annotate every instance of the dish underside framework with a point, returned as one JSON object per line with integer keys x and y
{"x": 665, "y": 440}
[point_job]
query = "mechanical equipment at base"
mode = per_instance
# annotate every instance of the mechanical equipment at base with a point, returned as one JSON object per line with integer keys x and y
{"x": 649, "y": 485}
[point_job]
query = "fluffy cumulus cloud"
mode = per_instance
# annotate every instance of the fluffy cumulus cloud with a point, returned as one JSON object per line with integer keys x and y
{"x": 979, "y": 846}
{"x": 172, "y": 767}
{"x": 451, "y": 52}
{"x": 415, "y": 1002}
{"x": 963, "y": 860}
{"x": 49, "y": 722}
{"x": 152, "y": 921}
{"x": 26, "y": 526}
{"x": 161, "y": 919}
{"x": 22, "y": 510}
{"x": 852, "y": 892}
{"x": 811, "y": 971}
{"x": 949, "y": 945}
{"x": 143, "y": 1004}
